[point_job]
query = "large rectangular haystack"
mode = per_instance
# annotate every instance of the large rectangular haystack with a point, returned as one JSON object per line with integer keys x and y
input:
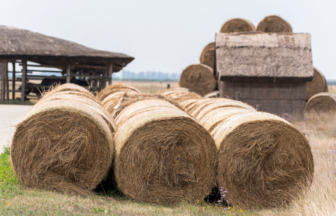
{"x": 270, "y": 69}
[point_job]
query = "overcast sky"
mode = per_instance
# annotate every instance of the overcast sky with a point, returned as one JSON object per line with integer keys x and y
{"x": 168, "y": 35}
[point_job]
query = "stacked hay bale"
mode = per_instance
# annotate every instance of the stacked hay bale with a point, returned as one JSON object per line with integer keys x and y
{"x": 274, "y": 24}
{"x": 199, "y": 78}
{"x": 263, "y": 160}
{"x": 193, "y": 78}
{"x": 321, "y": 102}
{"x": 64, "y": 142}
{"x": 162, "y": 154}
{"x": 317, "y": 85}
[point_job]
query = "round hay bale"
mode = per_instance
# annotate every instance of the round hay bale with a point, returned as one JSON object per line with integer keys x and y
{"x": 179, "y": 95}
{"x": 237, "y": 25}
{"x": 119, "y": 87}
{"x": 162, "y": 154}
{"x": 113, "y": 99}
{"x": 263, "y": 161}
{"x": 82, "y": 98}
{"x": 213, "y": 105}
{"x": 208, "y": 55}
{"x": 68, "y": 87}
{"x": 274, "y": 24}
{"x": 210, "y": 120}
{"x": 317, "y": 85}
{"x": 321, "y": 102}
{"x": 63, "y": 145}
{"x": 187, "y": 103}
{"x": 199, "y": 78}
{"x": 213, "y": 94}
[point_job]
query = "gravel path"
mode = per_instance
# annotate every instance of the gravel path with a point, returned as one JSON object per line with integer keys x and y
{"x": 10, "y": 115}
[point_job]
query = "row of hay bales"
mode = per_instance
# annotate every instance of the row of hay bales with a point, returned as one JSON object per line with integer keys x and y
{"x": 262, "y": 159}
{"x": 200, "y": 77}
{"x": 160, "y": 148}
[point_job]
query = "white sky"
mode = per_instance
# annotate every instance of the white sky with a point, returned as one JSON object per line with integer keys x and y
{"x": 168, "y": 35}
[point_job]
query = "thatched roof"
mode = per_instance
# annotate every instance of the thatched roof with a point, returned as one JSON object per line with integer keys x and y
{"x": 264, "y": 55}
{"x": 18, "y": 43}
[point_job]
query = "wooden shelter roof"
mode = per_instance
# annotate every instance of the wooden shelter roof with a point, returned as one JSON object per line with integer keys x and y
{"x": 264, "y": 55}
{"x": 18, "y": 43}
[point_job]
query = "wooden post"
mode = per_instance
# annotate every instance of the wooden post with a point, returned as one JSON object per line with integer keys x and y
{"x": 68, "y": 73}
{"x": 221, "y": 89}
{"x": 24, "y": 79}
{"x": 218, "y": 95}
{"x": 258, "y": 107}
{"x": 2, "y": 81}
{"x": 6, "y": 81}
{"x": 110, "y": 71}
{"x": 168, "y": 86}
{"x": 238, "y": 96}
{"x": 13, "y": 81}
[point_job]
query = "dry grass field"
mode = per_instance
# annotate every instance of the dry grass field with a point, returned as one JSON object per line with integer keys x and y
{"x": 320, "y": 129}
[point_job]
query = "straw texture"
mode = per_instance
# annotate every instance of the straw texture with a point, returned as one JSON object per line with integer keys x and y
{"x": 321, "y": 102}
{"x": 237, "y": 25}
{"x": 113, "y": 89}
{"x": 199, "y": 78}
{"x": 208, "y": 55}
{"x": 317, "y": 85}
{"x": 64, "y": 143}
{"x": 162, "y": 154}
{"x": 274, "y": 24}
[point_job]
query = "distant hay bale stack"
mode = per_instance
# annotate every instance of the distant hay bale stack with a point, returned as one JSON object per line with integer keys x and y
{"x": 113, "y": 89}
{"x": 321, "y": 102}
{"x": 317, "y": 85}
{"x": 199, "y": 78}
{"x": 64, "y": 143}
{"x": 237, "y": 25}
{"x": 208, "y": 55}
{"x": 263, "y": 161}
{"x": 179, "y": 95}
{"x": 213, "y": 94}
{"x": 274, "y": 24}
{"x": 162, "y": 154}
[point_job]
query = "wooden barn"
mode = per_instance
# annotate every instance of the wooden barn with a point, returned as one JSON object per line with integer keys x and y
{"x": 74, "y": 62}
{"x": 269, "y": 71}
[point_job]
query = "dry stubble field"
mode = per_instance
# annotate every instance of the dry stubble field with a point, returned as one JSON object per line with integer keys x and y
{"x": 319, "y": 200}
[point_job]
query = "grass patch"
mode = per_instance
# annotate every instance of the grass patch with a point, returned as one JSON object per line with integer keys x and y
{"x": 16, "y": 102}
{"x": 9, "y": 184}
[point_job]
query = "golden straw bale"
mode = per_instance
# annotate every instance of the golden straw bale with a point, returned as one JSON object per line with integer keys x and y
{"x": 317, "y": 85}
{"x": 263, "y": 160}
{"x": 214, "y": 117}
{"x": 237, "y": 25}
{"x": 162, "y": 154}
{"x": 274, "y": 24}
{"x": 179, "y": 95}
{"x": 113, "y": 99}
{"x": 208, "y": 55}
{"x": 64, "y": 143}
{"x": 199, "y": 78}
{"x": 68, "y": 87}
{"x": 187, "y": 103}
{"x": 213, "y": 94}
{"x": 321, "y": 102}
{"x": 119, "y": 87}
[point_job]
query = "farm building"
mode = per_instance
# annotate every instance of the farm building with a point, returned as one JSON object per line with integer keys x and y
{"x": 267, "y": 70}
{"x": 74, "y": 63}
